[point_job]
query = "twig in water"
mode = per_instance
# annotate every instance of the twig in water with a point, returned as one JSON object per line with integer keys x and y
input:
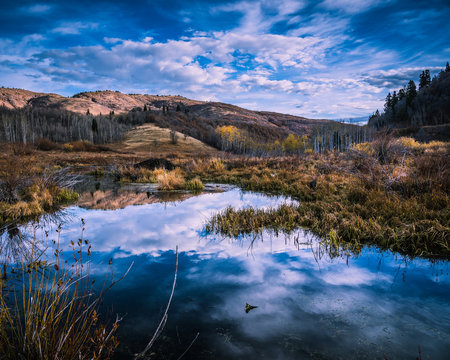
{"x": 192, "y": 343}
{"x": 164, "y": 318}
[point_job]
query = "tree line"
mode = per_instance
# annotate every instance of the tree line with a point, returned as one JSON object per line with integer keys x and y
{"x": 27, "y": 125}
{"x": 324, "y": 138}
{"x": 30, "y": 124}
{"x": 412, "y": 107}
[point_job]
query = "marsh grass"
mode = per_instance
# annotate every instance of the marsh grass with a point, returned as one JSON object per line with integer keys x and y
{"x": 49, "y": 309}
{"x": 400, "y": 203}
{"x": 27, "y": 192}
{"x": 167, "y": 180}
{"x": 171, "y": 180}
{"x": 98, "y": 172}
{"x": 128, "y": 173}
{"x": 195, "y": 185}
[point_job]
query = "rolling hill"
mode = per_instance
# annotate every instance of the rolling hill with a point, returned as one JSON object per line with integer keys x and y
{"x": 105, "y": 102}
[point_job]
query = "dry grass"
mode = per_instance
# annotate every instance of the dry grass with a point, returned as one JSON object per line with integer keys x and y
{"x": 150, "y": 139}
{"x": 401, "y": 204}
{"x": 27, "y": 191}
{"x": 195, "y": 185}
{"x": 50, "y": 311}
{"x": 170, "y": 180}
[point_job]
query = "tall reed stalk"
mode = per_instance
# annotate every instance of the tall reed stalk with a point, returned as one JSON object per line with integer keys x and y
{"x": 48, "y": 307}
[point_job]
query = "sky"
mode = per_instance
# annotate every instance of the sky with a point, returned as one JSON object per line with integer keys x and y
{"x": 319, "y": 59}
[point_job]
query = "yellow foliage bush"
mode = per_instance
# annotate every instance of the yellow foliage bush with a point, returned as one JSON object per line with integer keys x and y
{"x": 365, "y": 147}
{"x": 68, "y": 147}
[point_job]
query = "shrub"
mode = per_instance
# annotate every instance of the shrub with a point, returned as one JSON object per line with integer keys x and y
{"x": 22, "y": 149}
{"x": 173, "y": 137}
{"x": 46, "y": 145}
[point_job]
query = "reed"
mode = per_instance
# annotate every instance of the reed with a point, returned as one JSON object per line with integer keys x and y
{"x": 49, "y": 309}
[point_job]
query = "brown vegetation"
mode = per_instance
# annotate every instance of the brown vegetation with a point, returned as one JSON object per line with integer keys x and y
{"x": 401, "y": 202}
{"x": 27, "y": 191}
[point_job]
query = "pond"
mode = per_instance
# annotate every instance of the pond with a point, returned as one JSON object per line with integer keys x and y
{"x": 309, "y": 304}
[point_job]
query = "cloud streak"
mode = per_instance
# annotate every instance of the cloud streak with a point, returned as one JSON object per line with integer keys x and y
{"x": 300, "y": 57}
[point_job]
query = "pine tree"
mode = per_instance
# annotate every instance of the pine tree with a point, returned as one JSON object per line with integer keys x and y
{"x": 388, "y": 103}
{"x": 425, "y": 79}
{"x": 394, "y": 100}
{"x": 178, "y": 108}
{"x": 447, "y": 67}
{"x": 411, "y": 92}
{"x": 145, "y": 107}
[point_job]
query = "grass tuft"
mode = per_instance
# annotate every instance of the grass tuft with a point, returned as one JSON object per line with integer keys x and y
{"x": 195, "y": 185}
{"x": 171, "y": 180}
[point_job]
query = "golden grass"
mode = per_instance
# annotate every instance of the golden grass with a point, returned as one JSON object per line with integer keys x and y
{"x": 150, "y": 139}
{"x": 171, "y": 180}
{"x": 353, "y": 199}
{"x": 50, "y": 311}
{"x": 195, "y": 185}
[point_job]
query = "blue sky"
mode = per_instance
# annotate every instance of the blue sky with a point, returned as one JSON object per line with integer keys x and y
{"x": 319, "y": 59}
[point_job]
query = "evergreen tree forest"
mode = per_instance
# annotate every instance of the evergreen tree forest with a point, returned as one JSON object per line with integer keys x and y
{"x": 412, "y": 107}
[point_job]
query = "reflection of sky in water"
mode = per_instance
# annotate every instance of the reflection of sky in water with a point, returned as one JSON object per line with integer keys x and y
{"x": 307, "y": 307}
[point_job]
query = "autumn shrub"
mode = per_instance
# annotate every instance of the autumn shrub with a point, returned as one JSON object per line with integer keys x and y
{"x": 68, "y": 147}
{"x": 22, "y": 149}
{"x": 46, "y": 145}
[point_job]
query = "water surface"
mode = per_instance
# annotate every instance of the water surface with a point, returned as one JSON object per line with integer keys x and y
{"x": 310, "y": 305}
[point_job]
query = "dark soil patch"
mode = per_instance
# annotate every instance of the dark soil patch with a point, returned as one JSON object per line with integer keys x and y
{"x": 155, "y": 163}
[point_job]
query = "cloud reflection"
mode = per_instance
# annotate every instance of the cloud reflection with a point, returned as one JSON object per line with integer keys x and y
{"x": 308, "y": 306}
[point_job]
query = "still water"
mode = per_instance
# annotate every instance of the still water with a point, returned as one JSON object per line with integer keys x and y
{"x": 309, "y": 305}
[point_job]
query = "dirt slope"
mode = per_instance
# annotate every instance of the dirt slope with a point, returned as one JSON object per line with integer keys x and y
{"x": 16, "y": 98}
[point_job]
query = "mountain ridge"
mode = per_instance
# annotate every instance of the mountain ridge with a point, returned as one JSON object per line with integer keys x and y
{"x": 107, "y": 101}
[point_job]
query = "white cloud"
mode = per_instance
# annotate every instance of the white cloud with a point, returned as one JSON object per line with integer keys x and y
{"x": 352, "y": 6}
{"x": 38, "y": 9}
{"x": 293, "y": 72}
{"x": 74, "y": 28}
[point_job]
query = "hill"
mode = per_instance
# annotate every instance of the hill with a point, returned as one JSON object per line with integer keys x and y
{"x": 151, "y": 139}
{"x": 106, "y": 116}
{"x": 107, "y": 101}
